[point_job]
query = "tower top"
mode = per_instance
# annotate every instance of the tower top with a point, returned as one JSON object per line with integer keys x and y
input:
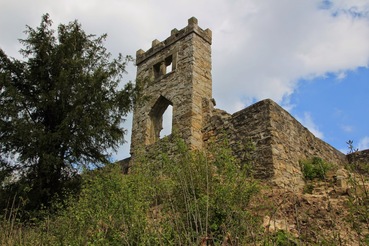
{"x": 175, "y": 35}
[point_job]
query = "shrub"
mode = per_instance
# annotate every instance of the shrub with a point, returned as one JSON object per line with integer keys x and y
{"x": 182, "y": 198}
{"x": 200, "y": 196}
{"x": 314, "y": 168}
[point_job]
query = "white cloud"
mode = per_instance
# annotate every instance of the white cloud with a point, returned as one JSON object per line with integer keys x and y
{"x": 260, "y": 48}
{"x": 347, "y": 128}
{"x": 308, "y": 122}
{"x": 341, "y": 75}
{"x": 284, "y": 41}
{"x": 363, "y": 143}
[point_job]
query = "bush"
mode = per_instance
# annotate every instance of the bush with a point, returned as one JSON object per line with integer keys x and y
{"x": 314, "y": 168}
{"x": 183, "y": 198}
{"x": 111, "y": 208}
{"x": 200, "y": 196}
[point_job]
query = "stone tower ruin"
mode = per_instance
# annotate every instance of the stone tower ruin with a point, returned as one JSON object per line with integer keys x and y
{"x": 177, "y": 72}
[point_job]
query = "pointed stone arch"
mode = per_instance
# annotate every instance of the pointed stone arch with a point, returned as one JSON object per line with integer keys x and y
{"x": 156, "y": 118}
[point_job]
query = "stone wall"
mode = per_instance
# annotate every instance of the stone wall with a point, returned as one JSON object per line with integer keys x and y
{"x": 249, "y": 124}
{"x": 291, "y": 143}
{"x": 361, "y": 157}
{"x": 280, "y": 141}
{"x": 177, "y": 72}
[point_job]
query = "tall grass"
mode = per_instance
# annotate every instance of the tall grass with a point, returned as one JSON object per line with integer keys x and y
{"x": 182, "y": 198}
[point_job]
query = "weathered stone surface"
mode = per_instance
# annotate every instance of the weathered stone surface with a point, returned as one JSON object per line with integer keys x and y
{"x": 178, "y": 71}
{"x": 342, "y": 180}
{"x": 280, "y": 141}
{"x": 187, "y": 86}
{"x": 359, "y": 157}
{"x": 275, "y": 225}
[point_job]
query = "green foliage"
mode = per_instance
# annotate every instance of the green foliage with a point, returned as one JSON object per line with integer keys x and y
{"x": 111, "y": 209}
{"x": 358, "y": 199}
{"x": 281, "y": 238}
{"x": 358, "y": 203}
{"x": 186, "y": 198}
{"x": 314, "y": 168}
{"x": 202, "y": 195}
{"x": 60, "y": 108}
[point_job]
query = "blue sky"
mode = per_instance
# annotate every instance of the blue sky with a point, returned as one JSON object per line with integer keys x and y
{"x": 339, "y": 107}
{"x": 310, "y": 56}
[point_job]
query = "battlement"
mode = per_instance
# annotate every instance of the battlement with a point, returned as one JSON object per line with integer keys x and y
{"x": 175, "y": 35}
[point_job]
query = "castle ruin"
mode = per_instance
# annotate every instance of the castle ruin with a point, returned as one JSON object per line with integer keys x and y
{"x": 178, "y": 71}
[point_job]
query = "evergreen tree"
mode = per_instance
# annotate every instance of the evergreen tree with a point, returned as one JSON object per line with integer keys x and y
{"x": 60, "y": 107}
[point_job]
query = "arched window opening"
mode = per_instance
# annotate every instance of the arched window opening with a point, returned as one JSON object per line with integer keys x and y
{"x": 155, "y": 131}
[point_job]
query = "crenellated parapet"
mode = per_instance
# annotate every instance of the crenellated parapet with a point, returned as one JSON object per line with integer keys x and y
{"x": 176, "y": 35}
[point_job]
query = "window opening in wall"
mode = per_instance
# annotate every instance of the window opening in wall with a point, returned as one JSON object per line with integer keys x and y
{"x": 163, "y": 67}
{"x": 157, "y": 70}
{"x": 167, "y": 122}
{"x": 168, "y": 64}
{"x": 156, "y": 120}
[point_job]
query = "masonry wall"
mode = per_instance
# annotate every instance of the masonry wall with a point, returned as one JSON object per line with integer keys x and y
{"x": 249, "y": 124}
{"x": 187, "y": 87}
{"x": 280, "y": 141}
{"x": 292, "y": 142}
{"x": 361, "y": 157}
